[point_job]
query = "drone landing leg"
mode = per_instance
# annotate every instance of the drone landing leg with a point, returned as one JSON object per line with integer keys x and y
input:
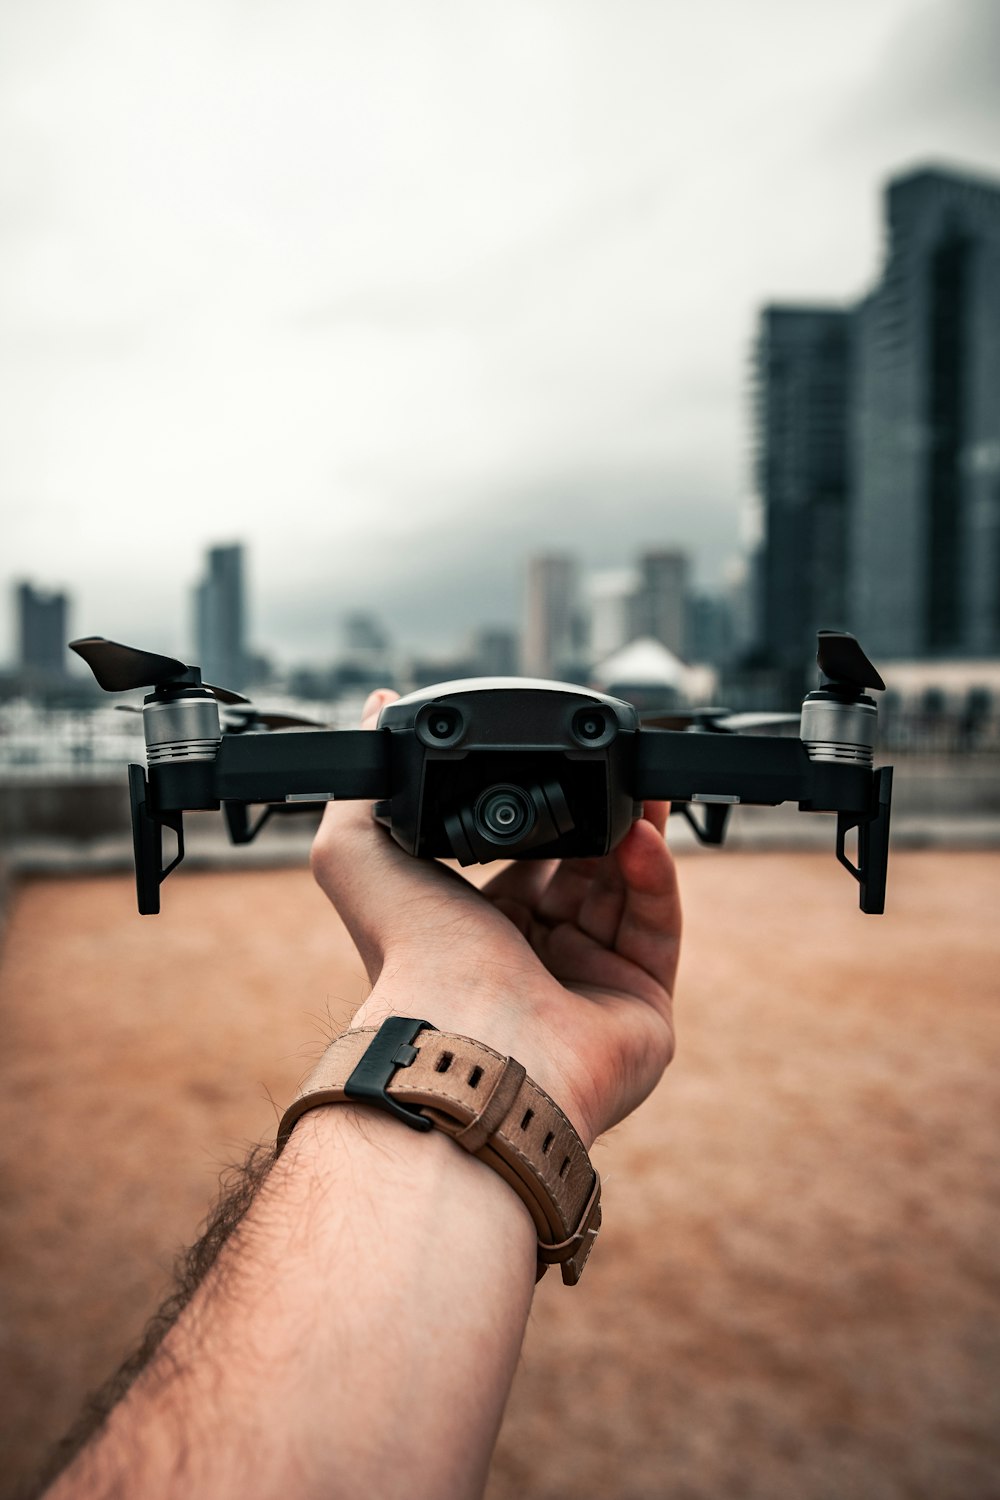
{"x": 873, "y": 844}
{"x": 712, "y": 828}
{"x": 241, "y": 830}
{"x": 147, "y": 844}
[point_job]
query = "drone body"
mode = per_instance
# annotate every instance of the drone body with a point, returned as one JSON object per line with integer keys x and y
{"x": 499, "y": 768}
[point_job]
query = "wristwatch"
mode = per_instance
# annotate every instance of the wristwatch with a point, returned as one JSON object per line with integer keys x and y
{"x": 432, "y": 1079}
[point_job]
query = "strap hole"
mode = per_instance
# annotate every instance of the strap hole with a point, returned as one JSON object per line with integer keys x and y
{"x": 529, "y": 1115}
{"x": 562, "y": 1169}
{"x": 547, "y": 1142}
{"x": 444, "y": 1062}
{"x": 474, "y": 1078}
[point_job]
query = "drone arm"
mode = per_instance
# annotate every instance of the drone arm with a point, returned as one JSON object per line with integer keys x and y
{"x": 674, "y": 765}
{"x": 349, "y": 764}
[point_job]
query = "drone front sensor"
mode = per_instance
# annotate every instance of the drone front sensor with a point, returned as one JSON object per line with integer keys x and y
{"x": 500, "y": 768}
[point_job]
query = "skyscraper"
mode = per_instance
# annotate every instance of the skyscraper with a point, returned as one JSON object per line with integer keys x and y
{"x": 659, "y": 604}
{"x": 801, "y": 416}
{"x": 42, "y": 633}
{"x": 925, "y": 534}
{"x": 495, "y": 651}
{"x": 220, "y": 625}
{"x": 550, "y": 627}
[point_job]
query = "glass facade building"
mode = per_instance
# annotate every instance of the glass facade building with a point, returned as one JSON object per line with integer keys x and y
{"x": 925, "y": 535}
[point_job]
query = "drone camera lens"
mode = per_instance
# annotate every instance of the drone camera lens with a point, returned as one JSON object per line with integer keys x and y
{"x": 505, "y": 813}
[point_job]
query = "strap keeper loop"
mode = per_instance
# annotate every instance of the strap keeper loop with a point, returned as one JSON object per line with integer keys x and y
{"x": 572, "y": 1253}
{"x": 474, "y": 1136}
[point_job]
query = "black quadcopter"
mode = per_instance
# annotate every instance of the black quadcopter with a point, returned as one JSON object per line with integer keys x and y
{"x": 499, "y": 767}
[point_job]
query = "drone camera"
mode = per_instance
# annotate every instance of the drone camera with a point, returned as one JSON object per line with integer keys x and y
{"x": 507, "y": 769}
{"x": 504, "y": 813}
{"x": 508, "y": 820}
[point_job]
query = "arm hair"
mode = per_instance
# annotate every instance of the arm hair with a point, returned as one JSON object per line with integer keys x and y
{"x": 239, "y": 1186}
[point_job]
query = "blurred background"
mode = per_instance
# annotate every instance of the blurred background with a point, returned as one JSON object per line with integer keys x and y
{"x": 350, "y": 346}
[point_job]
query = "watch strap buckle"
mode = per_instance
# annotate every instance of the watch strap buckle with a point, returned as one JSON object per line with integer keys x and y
{"x": 389, "y": 1049}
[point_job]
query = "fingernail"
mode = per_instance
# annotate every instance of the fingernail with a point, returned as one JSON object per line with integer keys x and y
{"x": 372, "y": 704}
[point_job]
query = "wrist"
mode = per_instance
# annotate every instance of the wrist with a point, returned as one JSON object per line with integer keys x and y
{"x": 485, "y": 1102}
{"x": 515, "y": 1020}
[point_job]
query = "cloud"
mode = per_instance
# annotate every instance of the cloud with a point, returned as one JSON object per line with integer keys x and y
{"x": 393, "y": 294}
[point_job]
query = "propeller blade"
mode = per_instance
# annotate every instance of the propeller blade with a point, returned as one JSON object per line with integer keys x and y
{"x": 841, "y": 659}
{"x": 127, "y": 708}
{"x": 224, "y": 695}
{"x": 681, "y": 718}
{"x": 738, "y": 722}
{"x": 119, "y": 668}
{"x": 252, "y": 718}
{"x": 288, "y": 721}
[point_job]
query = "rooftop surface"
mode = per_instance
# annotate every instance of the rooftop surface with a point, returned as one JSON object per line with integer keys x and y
{"x": 796, "y": 1290}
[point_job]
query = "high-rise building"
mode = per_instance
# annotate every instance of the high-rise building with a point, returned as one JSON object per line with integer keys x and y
{"x": 42, "y": 633}
{"x": 495, "y": 651}
{"x": 801, "y": 416}
{"x": 709, "y": 630}
{"x": 925, "y": 532}
{"x": 658, "y": 607}
{"x": 551, "y": 621}
{"x": 608, "y": 610}
{"x": 220, "y": 619}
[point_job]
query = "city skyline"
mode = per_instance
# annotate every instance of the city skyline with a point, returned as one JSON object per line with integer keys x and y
{"x": 396, "y": 357}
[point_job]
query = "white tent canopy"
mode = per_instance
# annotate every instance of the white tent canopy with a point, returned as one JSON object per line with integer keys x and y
{"x": 648, "y": 664}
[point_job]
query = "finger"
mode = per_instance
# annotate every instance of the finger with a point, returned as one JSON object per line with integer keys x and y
{"x": 657, "y": 813}
{"x": 374, "y": 704}
{"x": 592, "y": 888}
{"x": 339, "y": 816}
{"x": 585, "y": 893}
{"x": 601, "y": 909}
{"x": 649, "y": 930}
{"x": 523, "y": 880}
{"x": 599, "y": 890}
{"x": 380, "y": 891}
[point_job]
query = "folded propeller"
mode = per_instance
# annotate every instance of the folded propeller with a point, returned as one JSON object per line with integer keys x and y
{"x": 843, "y": 663}
{"x": 121, "y": 669}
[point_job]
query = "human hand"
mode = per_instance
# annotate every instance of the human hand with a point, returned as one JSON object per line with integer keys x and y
{"x": 567, "y": 965}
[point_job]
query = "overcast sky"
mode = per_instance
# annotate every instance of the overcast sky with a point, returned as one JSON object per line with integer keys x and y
{"x": 398, "y": 292}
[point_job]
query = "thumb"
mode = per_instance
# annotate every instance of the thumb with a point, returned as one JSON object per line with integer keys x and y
{"x": 374, "y": 704}
{"x": 382, "y": 894}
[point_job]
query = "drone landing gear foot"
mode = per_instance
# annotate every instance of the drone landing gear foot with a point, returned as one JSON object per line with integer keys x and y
{"x": 147, "y": 843}
{"x": 241, "y": 830}
{"x": 873, "y": 844}
{"x": 712, "y": 827}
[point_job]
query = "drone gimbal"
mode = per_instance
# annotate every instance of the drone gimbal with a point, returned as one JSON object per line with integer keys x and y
{"x": 499, "y": 768}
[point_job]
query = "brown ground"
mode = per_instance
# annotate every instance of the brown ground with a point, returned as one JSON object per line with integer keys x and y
{"x": 797, "y": 1288}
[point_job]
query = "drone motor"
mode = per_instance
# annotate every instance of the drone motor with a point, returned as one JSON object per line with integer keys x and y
{"x": 181, "y": 728}
{"x": 839, "y": 720}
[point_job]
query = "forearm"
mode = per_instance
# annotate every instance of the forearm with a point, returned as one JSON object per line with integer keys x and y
{"x": 358, "y": 1334}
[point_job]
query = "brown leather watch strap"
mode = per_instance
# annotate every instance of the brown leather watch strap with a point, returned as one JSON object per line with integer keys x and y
{"x": 488, "y": 1106}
